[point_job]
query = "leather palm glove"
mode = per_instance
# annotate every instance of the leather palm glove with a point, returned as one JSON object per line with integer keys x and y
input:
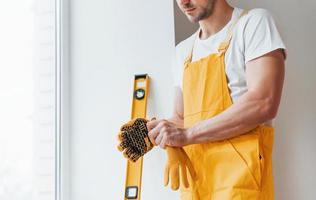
{"x": 178, "y": 162}
{"x": 134, "y": 140}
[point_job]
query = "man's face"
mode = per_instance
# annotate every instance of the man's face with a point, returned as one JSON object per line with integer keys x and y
{"x": 196, "y": 10}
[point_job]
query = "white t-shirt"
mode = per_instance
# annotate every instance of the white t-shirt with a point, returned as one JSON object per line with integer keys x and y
{"x": 254, "y": 35}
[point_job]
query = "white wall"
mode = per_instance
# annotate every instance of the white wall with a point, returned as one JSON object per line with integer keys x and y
{"x": 294, "y": 154}
{"x": 110, "y": 41}
{"x": 295, "y": 148}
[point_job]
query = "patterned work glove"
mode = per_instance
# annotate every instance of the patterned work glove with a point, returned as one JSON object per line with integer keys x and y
{"x": 134, "y": 140}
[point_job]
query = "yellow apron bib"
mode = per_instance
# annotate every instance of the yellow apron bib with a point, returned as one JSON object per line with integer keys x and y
{"x": 239, "y": 168}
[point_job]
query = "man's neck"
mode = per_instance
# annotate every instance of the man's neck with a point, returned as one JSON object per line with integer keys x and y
{"x": 221, "y": 15}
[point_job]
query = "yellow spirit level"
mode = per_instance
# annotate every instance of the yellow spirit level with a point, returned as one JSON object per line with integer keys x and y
{"x": 139, "y": 107}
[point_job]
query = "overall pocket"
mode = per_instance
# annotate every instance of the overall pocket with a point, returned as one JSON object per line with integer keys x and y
{"x": 247, "y": 149}
{"x": 236, "y": 164}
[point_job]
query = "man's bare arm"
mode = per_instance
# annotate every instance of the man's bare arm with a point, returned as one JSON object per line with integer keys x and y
{"x": 177, "y": 116}
{"x": 169, "y": 132}
{"x": 259, "y": 104}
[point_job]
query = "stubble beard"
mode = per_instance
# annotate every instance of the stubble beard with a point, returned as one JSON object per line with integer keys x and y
{"x": 204, "y": 13}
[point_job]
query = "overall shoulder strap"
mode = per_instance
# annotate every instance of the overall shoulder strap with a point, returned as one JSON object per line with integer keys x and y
{"x": 225, "y": 44}
{"x": 189, "y": 57}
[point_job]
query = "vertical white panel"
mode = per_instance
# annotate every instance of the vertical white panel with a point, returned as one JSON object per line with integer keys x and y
{"x": 27, "y": 100}
{"x": 111, "y": 40}
{"x": 44, "y": 105}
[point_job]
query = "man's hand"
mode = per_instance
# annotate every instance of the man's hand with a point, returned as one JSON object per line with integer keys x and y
{"x": 166, "y": 133}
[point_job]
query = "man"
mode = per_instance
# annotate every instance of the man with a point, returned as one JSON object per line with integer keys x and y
{"x": 228, "y": 84}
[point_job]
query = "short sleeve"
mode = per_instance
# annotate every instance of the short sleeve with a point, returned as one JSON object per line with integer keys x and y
{"x": 261, "y": 35}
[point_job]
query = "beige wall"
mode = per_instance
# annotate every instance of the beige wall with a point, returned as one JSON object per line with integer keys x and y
{"x": 183, "y": 28}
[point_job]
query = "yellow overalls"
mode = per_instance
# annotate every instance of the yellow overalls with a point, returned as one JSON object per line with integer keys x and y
{"x": 239, "y": 168}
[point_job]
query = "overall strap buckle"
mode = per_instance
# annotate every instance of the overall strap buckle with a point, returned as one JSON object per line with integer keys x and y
{"x": 225, "y": 44}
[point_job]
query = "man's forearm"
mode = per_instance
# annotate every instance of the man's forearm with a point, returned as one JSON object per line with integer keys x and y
{"x": 247, "y": 113}
{"x": 177, "y": 121}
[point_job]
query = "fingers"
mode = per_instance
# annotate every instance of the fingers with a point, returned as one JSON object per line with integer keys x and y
{"x": 158, "y": 139}
{"x": 162, "y": 142}
{"x": 166, "y": 175}
{"x": 191, "y": 170}
{"x": 122, "y": 136}
{"x": 152, "y": 123}
{"x": 127, "y": 125}
{"x": 122, "y": 139}
{"x": 153, "y": 133}
{"x": 184, "y": 177}
{"x": 163, "y": 133}
{"x": 119, "y": 137}
{"x": 121, "y": 145}
{"x": 178, "y": 162}
{"x": 130, "y": 154}
{"x": 125, "y": 153}
{"x": 174, "y": 173}
{"x": 189, "y": 164}
{"x": 120, "y": 148}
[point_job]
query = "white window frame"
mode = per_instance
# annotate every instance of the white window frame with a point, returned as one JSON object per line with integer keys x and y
{"x": 62, "y": 100}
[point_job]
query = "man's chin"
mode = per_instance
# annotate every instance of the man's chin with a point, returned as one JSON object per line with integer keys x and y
{"x": 192, "y": 19}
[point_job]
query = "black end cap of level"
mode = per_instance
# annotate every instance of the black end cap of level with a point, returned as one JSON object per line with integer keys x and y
{"x": 139, "y": 76}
